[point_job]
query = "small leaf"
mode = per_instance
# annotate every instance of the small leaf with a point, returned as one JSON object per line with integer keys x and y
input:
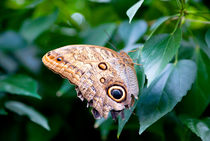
{"x": 8, "y": 63}
{"x": 141, "y": 78}
{"x": 28, "y": 57}
{"x": 130, "y": 33}
{"x": 105, "y": 128}
{"x": 133, "y": 9}
{"x": 20, "y": 85}
{"x": 158, "y": 51}
{"x": 32, "y": 28}
{"x": 165, "y": 92}
{"x": 7, "y": 37}
{"x": 200, "y": 127}
{"x": 98, "y": 122}
{"x": 122, "y": 122}
{"x": 22, "y": 109}
{"x": 99, "y": 35}
{"x": 207, "y": 38}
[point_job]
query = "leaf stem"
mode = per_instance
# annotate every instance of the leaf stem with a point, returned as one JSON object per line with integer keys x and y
{"x": 179, "y": 21}
{"x": 176, "y": 58}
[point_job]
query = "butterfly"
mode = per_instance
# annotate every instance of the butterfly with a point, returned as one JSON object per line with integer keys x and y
{"x": 104, "y": 77}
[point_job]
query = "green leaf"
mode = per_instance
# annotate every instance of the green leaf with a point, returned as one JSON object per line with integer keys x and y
{"x": 157, "y": 23}
{"x": 105, "y": 128}
{"x": 7, "y": 37}
{"x": 99, "y": 35}
{"x": 165, "y": 92}
{"x": 32, "y": 28}
{"x": 34, "y": 3}
{"x": 141, "y": 79}
{"x": 20, "y": 85}
{"x": 133, "y": 9}
{"x": 200, "y": 127}
{"x": 207, "y": 38}
{"x": 158, "y": 51}
{"x": 130, "y": 33}
{"x": 8, "y": 63}
{"x": 202, "y": 42}
{"x": 22, "y": 109}
{"x": 98, "y": 122}
{"x": 27, "y": 57}
{"x": 122, "y": 122}
{"x": 195, "y": 103}
{"x": 105, "y": 125}
{"x": 65, "y": 87}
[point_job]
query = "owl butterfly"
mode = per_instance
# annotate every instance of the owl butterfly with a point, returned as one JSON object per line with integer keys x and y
{"x": 105, "y": 78}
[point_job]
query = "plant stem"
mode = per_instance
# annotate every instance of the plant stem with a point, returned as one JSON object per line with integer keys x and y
{"x": 176, "y": 58}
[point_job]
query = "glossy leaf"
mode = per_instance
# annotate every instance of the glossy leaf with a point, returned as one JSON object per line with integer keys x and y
{"x": 20, "y": 85}
{"x": 141, "y": 79}
{"x": 165, "y": 92}
{"x": 22, "y": 109}
{"x": 132, "y": 10}
{"x": 157, "y": 53}
{"x": 200, "y": 127}
{"x": 130, "y": 33}
{"x": 198, "y": 99}
{"x": 99, "y": 35}
{"x": 32, "y": 28}
{"x": 157, "y": 23}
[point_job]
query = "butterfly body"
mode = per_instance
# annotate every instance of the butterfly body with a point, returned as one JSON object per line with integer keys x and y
{"x": 105, "y": 78}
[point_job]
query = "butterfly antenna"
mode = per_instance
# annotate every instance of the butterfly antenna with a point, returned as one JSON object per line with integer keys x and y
{"x": 114, "y": 47}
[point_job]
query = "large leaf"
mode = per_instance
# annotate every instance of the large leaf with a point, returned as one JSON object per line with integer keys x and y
{"x": 141, "y": 78}
{"x": 22, "y": 109}
{"x": 130, "y": 33}
{"x": 157, "y": 23}
{"x": 158, "y": 51}
{"x": 32, "y": 28}
{"x": 20, "y": 85}
{"x": 198, "y": 99}
{"x": 99, "y": 35}
{"x": 11, "y": 40}
{"x": 200, "y": 127}
{"x": 132, "y": 10}
{"x": 165, "y": 92}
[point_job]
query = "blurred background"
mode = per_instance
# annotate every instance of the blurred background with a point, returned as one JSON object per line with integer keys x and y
{"x": 30, "y": 28}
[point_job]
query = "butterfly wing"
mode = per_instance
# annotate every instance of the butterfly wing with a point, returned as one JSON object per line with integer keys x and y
{"x": 103, "y": 77}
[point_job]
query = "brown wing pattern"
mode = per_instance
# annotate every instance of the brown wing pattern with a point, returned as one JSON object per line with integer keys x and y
{"x": 105, "y": 78}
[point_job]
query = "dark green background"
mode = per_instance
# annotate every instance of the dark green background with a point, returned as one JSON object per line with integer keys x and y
{"x": 30, "y": 28}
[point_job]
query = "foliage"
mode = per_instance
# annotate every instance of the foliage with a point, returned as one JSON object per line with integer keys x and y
{"x": 170, "y": 39}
